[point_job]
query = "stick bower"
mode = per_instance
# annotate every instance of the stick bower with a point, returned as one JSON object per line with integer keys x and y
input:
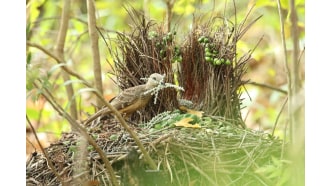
{"x": 204, "y": 62}
{"x": 218, "y": 153}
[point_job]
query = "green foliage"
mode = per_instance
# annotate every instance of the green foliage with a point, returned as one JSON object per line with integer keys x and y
{"x": 55, "y": 127}
{"x": 34, "y": 114}
{"x": 276, "y": 168}
{"x": 184, "y": 7}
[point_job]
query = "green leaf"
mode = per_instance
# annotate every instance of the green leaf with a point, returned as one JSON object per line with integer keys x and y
{"x": 263, "y": 3}
{"x": 28, "y": 58}
{"x": 90, "y": 148}
{"x": 158, "y": 126}
{"x": 184, "y": 7}
{"x": 55, "y": 67}
{"x": 82, "y": 90}
{"x": 32, "y": 113}
{"x": 113, "y": 137}
{"x": 72, "y": 81}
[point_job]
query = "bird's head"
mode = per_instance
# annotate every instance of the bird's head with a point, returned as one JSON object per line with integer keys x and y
{"x": 155, "y": 79}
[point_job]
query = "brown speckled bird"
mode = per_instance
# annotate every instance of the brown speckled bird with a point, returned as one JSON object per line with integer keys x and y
{"x": 131, "y": 99}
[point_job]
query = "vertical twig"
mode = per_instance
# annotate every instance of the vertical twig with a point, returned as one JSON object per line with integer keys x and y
{"x": 278, "y": 116}
{"x": 94, "y": 38}
{"x": 296, "y": 125}
{"x": 59, "y": 52}
{"x": 287, "y": 68}
{"x": 169, "y": 7}
{"x": 297, "y": 145}
{"x": 295, "y": 40}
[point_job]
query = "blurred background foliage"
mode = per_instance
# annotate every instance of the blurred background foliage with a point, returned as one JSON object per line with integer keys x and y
{"x": 267, "y": 67}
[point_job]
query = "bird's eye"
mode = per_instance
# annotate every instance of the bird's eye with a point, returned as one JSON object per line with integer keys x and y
{"x": 154, "y": 78}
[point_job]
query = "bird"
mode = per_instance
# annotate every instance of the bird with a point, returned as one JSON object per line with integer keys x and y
{"x": 131, "y": 99}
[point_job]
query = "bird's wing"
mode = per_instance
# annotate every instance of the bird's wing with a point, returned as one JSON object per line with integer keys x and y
{"x": 128, "y": 97}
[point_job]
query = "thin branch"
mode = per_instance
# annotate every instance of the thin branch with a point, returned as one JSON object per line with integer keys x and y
{"x": 287, "y": 68}
{"x": 301, "y": 54}
{"x": 296, "y": 111}
{"x": 94, "y": 38}
{"x": 59, "y": 51}
{"x": 50, "y": 163}
{"x": 60, "y": 42}
{"x": 243, "y": 31}
{"x": 169, "y": 7}
{"x": 46, "y": 51}
{"x": 30, "y": 142}
{"x": 59, "y": 61}
{"x": 268, "y": 86}
{"x": 278, "y": 116}
{"x": 283, "y": 42}
{"x": 98, "y": 27}
{"x": 295, "y": 41}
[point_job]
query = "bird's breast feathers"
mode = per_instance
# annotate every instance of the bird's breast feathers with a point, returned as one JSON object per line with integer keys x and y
{"x": 131, "y": 99}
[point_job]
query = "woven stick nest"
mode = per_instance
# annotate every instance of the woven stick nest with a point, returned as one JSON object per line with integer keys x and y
{"x": 220, "y": 151}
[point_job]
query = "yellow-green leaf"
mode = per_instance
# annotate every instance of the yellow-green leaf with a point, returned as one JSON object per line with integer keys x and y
{"x": 185, "y": 123}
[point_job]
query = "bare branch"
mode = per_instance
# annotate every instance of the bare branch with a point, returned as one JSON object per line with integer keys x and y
{"x": 295, "y": 41}
{"x": 59, "y": 61}
{"x": 94, "y": 38}
{"x": 59, "y": 51}
{"x": 278, "y": 116}
{"x": 268, "y": 86}
{"x": 287, "y": 68}
{"x": 169, "y": 14}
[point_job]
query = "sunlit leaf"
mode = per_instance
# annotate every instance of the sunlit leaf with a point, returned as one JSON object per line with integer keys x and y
{"x": 46, "y": 83}
{"x": 34, "y": 9}
{"x": 184, "y": 7}
{"x": 33, "y": 114}
{"x": 72, "y": 81}
{"x": 87, "y": 90}
{"x": 199, "y": 114}
{"x": 28, "y": 58}
{"x": 271, "y": 72}
{"x": 55, "y": 67}
{"x": 195, "y": 112}
{"x": 55, "y": 127}
{"x": 185, "y": 123}
{"x": 263, "y": 3}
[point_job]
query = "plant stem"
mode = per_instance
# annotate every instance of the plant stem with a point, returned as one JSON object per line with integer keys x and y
{"x": 59, "y": 52}
{"x": 94, "y": 38}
